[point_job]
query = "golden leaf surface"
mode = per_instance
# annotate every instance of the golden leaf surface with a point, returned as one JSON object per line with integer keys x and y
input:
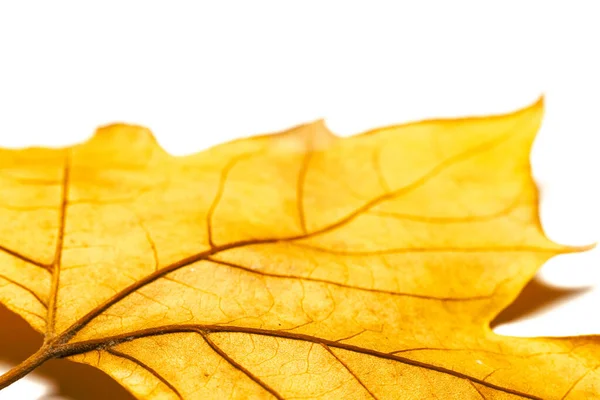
{"x": 294, "y": 265}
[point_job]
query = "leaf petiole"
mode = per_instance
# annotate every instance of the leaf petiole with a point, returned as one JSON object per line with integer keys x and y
{"x": 32, "y": 362}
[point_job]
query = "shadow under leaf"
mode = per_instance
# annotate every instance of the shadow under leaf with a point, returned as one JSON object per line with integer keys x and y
{"x": 535, "y": 296}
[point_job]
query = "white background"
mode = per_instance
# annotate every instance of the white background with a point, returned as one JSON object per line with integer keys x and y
{"x": 198, "y": 74}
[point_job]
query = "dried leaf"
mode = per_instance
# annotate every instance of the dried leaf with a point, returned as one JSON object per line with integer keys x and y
{"x": 295, "y": 265}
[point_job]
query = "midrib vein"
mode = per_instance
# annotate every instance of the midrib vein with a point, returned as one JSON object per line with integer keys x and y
{"x": 52, "y": 304}
{"x": 96, "y": 344}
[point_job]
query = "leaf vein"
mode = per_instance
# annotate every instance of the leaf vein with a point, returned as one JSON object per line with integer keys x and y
{"x": 343, "y": 285}
{"x": 450, "y": 220}
{"x": 440, "y": 167}
{"x": 221, "y": 188}
{"x": 574, "y": 385}
{"x": 343, "y": 364}
{"x": 85, "y": 346}
{"x": 146, "y": 367}
{"x": 38, "y": 298}
{"x": 407, "y": 250}
{"x": 52, "y": 304}
{"x": 301, "y": 182}
{"x": 23, "y": 257}
{"x": 237, "y": 365}
{"x": 477, "y": 389}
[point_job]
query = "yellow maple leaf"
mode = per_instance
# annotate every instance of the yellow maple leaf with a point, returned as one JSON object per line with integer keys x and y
{"x": 294, "y": 265}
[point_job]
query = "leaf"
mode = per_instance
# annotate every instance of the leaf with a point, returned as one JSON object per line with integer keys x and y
{"x": 294, "y": 265}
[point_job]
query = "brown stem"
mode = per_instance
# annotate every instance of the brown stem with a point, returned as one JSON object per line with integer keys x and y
{"x": 31, "y": 363}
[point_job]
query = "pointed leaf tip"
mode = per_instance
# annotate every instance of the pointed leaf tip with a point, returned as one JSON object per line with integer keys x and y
{"x": 539, "y": 105}
{"x": 580, "y": 249}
